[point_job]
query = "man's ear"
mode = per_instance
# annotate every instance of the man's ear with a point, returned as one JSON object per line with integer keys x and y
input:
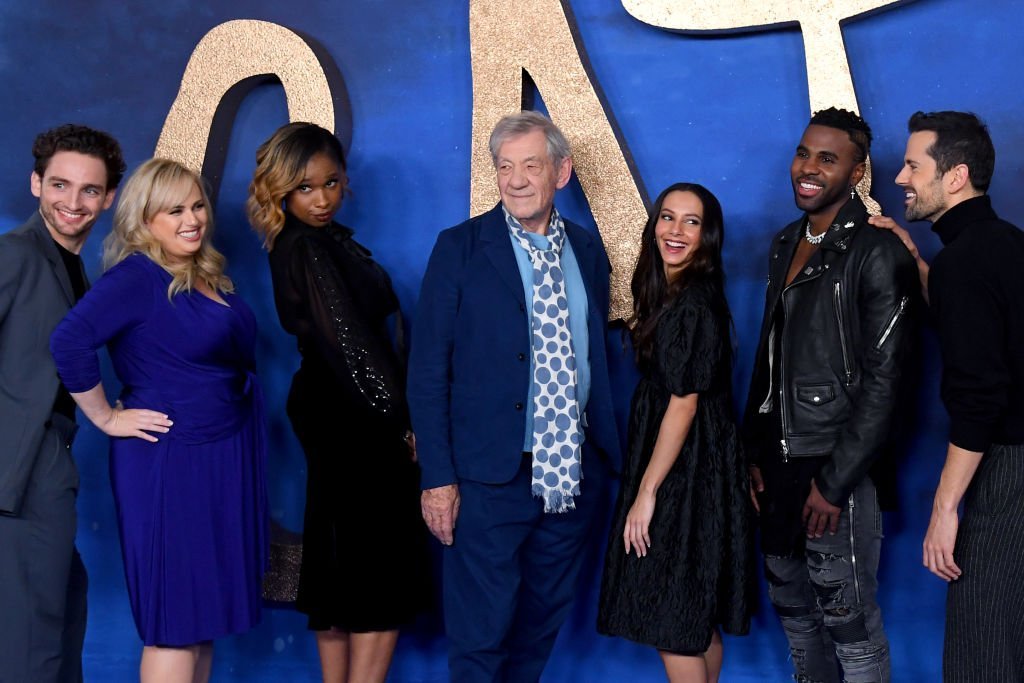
{"x": 564, "y": 172}
{"x": 36, "y": 183}
{"x": 110, "y": 198}
{"x": 858, "y": 173}
{"x": 957, "y": 178}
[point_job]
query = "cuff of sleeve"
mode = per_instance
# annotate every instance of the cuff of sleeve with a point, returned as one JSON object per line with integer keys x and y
{"x": 79, "y": 385}
{"x": 431, "y": 478}
{"x": 971, "y": 436}
{"x": 832, "y": 490}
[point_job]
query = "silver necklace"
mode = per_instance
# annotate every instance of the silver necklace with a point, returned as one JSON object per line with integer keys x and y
{"x": 813, "y": 239}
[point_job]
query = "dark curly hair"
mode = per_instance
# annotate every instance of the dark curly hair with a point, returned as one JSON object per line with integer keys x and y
{"x": 850, "y": 123}
{"x": 652, "y": 292}
{"x": 960, "y": 138}
{"x": 84, "y": 140}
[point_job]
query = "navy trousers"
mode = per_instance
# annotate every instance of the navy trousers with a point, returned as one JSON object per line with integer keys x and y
{"x": 511, "y": 574}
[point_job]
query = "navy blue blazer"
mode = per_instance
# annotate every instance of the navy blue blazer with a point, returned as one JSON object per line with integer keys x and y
{"x": 469, "y": 366}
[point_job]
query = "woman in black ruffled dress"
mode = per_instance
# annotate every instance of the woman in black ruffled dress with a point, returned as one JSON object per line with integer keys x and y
{"x": 679, "y": 557}
{"x": 364, "y": 561}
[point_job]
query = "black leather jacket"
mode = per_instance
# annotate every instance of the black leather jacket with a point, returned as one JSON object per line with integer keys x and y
{"x": 844, "y": 337}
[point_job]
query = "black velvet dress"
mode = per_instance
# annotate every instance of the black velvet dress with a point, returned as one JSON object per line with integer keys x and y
{"x": 697, "y": 573}
{"x": 365, "y": 565}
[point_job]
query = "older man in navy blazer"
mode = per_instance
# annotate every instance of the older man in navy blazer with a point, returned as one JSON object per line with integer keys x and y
{"x": 42, "y": 580}
{"x": 511, "y": 405}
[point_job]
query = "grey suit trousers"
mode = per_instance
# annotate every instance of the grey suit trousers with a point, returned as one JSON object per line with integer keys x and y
{"x": 42, "y": 579}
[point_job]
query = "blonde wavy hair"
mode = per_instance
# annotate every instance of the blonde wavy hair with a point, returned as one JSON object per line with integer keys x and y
{"x": 280, "y": 166}
{"x": 155, "y": 186}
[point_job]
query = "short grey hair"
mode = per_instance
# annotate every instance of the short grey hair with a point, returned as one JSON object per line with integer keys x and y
{"x": 514, "y": 125}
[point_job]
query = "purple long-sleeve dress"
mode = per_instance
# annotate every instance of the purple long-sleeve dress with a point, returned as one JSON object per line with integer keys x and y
{"x": 191, "y": 508}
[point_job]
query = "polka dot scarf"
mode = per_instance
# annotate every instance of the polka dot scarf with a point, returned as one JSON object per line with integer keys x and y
{"x": 556, "y": 418}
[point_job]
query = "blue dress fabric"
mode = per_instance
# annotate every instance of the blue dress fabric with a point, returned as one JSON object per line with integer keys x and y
{"x": 191, "y": 508}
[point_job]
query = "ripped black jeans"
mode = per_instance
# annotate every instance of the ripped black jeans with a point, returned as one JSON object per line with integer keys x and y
{"x": 827, "y": 603}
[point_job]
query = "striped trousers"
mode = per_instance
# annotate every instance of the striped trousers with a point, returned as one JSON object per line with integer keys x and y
{"x": 985, "y": 606}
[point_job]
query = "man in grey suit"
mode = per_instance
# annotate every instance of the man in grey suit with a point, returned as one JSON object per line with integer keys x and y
{"x": 42, "y": 579}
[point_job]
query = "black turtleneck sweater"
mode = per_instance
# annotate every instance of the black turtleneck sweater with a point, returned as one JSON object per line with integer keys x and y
{"x": 976, "y": 288}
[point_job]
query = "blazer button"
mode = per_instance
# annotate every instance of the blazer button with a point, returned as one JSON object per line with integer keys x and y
{"x": 519, "y": 406}
{"x": 521, "y": 356}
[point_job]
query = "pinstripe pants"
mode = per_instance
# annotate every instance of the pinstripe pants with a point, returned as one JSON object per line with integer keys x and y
{"x": 984, "y": 607}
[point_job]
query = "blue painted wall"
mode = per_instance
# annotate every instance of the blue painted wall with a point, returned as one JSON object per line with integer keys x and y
{"x": 726, "y": 111}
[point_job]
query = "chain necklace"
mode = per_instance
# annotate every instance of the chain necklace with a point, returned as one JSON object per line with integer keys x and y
{"x": 813, "y": 239}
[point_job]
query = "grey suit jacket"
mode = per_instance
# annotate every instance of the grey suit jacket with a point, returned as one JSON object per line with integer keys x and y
{"x": 35, "y": 294}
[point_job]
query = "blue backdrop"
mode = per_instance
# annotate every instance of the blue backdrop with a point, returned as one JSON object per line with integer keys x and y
{"x": 725, "y": 110}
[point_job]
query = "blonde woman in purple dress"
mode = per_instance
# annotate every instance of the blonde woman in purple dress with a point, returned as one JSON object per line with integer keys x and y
{"x": 187, "y": 446}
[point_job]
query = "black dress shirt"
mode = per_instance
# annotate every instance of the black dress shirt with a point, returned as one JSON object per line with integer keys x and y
{"x": 976, "y": 288}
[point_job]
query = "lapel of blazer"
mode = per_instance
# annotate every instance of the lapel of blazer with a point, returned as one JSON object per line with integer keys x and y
{"x": 498, "y": 246}
{"x": 49, "y": 249}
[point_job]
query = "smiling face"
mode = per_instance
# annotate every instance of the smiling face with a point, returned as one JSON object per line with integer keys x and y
{"x": 179, "y": 229}
{"x": 826, "y": 165}
{"x": 319, "y": 194}
{"x": 678, "y": 230}
{"x": 528, "y": 179}
{"x": 925, "y": 199}
{"x": 72, "y": 194}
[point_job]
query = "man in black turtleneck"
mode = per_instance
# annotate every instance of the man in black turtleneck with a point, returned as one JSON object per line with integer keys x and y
{"x": 42, "y": 580}
{"x": 976, "y": 293}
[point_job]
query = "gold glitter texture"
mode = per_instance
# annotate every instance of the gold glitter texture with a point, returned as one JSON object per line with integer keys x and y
{"x": 229, "y": 55}
{"x": 514, "y": 42}
{"x": 829, "y": 82}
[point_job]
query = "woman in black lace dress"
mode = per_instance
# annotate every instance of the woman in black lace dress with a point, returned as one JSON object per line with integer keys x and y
{"x": 364, "y": 562}
{"x": 679, "y": 556}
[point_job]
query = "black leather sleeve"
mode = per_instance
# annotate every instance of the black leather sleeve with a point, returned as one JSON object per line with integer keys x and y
{"x": 884, "y": 313}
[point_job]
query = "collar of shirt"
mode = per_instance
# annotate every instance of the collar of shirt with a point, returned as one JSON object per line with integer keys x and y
{"x": 955, "y": 220}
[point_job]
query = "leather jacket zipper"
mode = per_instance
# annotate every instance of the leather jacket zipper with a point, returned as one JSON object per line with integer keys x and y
{"x": 837, "y": 298}
{"x": 893, "y": 320}
{"x": 782, "y": 383}
{"x": 853, "y": 552}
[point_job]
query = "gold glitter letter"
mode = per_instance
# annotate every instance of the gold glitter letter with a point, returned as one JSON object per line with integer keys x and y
{"x": 829, "y": 82}
{"x": 230, "y": 61}
{"x": 516, "y": 44}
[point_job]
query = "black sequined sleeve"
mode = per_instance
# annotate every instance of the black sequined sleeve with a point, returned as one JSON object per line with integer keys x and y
{"x": 354, "y": 352}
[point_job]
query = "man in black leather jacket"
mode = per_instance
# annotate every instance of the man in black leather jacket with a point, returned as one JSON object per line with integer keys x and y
{"x": 821, "y": 401}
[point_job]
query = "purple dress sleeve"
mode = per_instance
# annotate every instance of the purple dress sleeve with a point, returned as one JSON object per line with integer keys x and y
{"x": 118, "y": 302}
